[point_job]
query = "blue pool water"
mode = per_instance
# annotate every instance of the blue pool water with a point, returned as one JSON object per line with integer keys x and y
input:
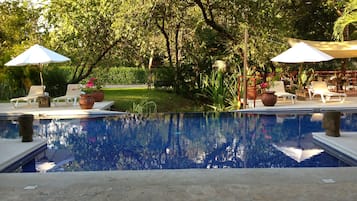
{"x": 182, "y": 140}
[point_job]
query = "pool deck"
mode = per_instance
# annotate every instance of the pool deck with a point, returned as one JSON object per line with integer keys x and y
{"x": 61, "y": 110}
{"x": 14, "y": 152}
{"x": 208, "y": 184}
{"x": 304, "y": 184}
{"x": 315, "y": 105}
{"x": 344, "y": 147}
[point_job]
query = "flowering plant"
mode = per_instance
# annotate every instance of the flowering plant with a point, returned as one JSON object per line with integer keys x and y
{"x": 92, "y": 85}
{"x": 264, "y": 85}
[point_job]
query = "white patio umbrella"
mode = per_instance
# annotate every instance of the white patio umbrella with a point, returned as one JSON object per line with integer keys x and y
{"x": 298, "y": 154}
{"x": 299, "y": 150}
{"x": 37, "y": 55}
{"x": 301, "y": 53}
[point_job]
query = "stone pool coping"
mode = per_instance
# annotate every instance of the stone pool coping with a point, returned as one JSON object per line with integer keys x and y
{"x": 15, "y": 153}
{"x": 287, "y": 184}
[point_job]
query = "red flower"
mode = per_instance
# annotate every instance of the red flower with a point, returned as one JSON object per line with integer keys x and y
{"x": 264, "y": 85}
{"x": 91, "y": 82}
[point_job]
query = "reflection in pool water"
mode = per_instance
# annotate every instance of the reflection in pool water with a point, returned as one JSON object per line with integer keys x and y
{"x": 186, "y": 140}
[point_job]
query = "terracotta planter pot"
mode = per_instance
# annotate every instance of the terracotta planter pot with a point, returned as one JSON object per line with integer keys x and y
{"x": 269, "y": 98}
{"x": 251, "y": 92}
{"x": 98, "y": 96}
{"x": 86, "y": 101}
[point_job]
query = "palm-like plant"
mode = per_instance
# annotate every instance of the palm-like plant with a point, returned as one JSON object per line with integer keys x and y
{"x": 213, "y": 88}
{"x": 349, "y": 17}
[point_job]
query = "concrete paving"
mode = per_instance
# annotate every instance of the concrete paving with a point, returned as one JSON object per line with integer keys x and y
{"x": 318, "y": 184}
{"x": 316, "y": 105}
{"x": 13, "y": 150}
{"x": 343, "y": 147}
{"x": 304, "y": 184}
{"x": 61, "y": 110}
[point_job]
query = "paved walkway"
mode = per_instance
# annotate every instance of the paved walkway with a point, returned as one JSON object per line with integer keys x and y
{"x": 305, "y": 184}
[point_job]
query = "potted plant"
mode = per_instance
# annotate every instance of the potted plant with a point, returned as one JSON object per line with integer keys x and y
{"x": 94, "y": 87}
{"x": 268, "y": 97}
{"x": 251, "y": 83}
{"x": 87, "y": 99}
{"x": 251, "y": 88}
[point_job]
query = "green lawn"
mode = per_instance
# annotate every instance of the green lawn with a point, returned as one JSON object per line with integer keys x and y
{"x": 166, "y": 101}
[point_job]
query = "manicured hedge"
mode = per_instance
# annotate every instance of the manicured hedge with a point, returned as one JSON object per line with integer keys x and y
{"x": 125, "y": 75}
{"x": 132, "y": 75}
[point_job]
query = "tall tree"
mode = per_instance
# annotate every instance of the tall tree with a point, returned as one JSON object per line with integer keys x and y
{"x": 267, "y": 23}
{"x": 19, "y": 27}
{"x": 162, "y": 28}
{"x": 313, "y": 20}
{"x": 84, "y": 30}
{"x": 172, "y": 18}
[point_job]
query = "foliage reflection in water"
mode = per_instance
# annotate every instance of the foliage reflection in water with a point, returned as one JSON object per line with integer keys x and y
{"x": 184, "y": 140}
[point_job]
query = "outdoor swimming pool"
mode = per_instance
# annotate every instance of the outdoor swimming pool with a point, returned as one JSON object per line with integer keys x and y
{"x": 182, "y": 141}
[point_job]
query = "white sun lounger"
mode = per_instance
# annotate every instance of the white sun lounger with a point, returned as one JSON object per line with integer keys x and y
{"x": 320, "y": 88}
{"x": 279, "y": 88}
{"x": 34, "y": 92}
{"x": 72, "y": 94}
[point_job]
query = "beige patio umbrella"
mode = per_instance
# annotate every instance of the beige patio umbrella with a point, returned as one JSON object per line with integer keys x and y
{"x": 301, "y": 53}
{"x": 336, "y": 49}
{"x": 37, "y": 55}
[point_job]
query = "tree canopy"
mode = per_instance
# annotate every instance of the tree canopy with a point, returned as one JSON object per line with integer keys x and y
{"x": 183, "y": 36}
{"x": 345, "y": 24}
{"x": 18, "y": 28}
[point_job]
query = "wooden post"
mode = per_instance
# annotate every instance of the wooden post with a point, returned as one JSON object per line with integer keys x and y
{"x": 331, "y": 123}
{"x": 245, "y": 66}
{"x": 26, "y": 127}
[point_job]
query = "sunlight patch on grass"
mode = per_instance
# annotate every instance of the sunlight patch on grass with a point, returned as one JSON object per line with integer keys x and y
{"x": 166, "y": 101}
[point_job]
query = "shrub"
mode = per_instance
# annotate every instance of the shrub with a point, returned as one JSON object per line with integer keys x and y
{"x": 121, "y": 75}
{"x": 16, "y": 81}
{"x": 55, "y": 80}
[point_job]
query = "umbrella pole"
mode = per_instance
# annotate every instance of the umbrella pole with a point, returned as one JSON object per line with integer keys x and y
{"x": 299, "y": 130}
{"x": 41, "y": 78}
